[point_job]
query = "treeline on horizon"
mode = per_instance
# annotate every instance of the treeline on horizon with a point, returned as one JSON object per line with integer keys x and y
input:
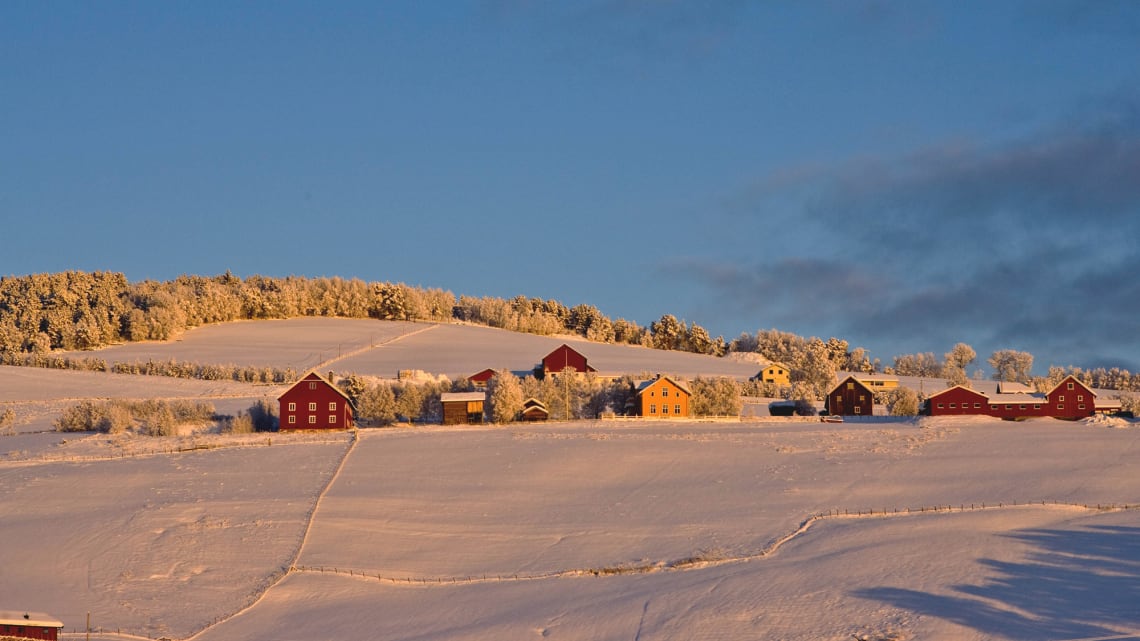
{"x": 77, "y": 310}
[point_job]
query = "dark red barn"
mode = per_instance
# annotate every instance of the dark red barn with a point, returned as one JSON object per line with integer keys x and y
{"x": 313, "y": 403}
{"x": 957, "y": 400}
{"x": 850, "y": 398}
{"x": 563, "y": 357}
{"x": 1071, "y": 399}
{"x": 29, "y": 625}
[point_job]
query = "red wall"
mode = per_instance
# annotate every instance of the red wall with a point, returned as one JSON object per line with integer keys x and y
{"x": 851, "y": 400}
{"x": 562, "y": 358}
{"x": 957, "y": 401}
{"x": 314, "y": 390}
{"x": 1071, "y": 399}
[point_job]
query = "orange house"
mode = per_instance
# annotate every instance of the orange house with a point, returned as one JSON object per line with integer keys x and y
{"x": 663, "y": 397}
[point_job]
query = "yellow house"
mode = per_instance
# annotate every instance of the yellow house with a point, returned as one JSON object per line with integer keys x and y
{"x": 777, "y": 373}
{"x": 663, "y": 397}
{"x": 878, "y": 382}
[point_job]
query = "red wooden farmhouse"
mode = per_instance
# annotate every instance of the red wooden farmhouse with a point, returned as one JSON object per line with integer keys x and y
{"x": 313, "y": 403}
{"x": 850, "y": 398}
{"x": 29, "y": 625}
{"x": 564, "y": 357}
{"x": 1069, "y": 399}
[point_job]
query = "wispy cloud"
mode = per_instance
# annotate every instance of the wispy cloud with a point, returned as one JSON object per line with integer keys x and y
{"x": 1029, "y": 244}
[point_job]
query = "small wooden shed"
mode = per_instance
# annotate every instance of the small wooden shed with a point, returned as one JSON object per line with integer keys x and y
{"x": 534, "y": 410}
{"x": 29, "y": 625}
{"x": 462, "y": 408}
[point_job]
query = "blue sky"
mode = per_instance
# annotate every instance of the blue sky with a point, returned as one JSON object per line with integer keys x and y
{"x": 904, "y": 175}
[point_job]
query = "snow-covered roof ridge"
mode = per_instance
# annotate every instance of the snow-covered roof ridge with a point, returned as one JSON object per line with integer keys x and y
{"x": 17, "y": 617}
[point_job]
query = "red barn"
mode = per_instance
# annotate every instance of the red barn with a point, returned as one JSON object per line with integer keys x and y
{"x": 480, "y": 379}
{"x": 850, "y": 398}
{"x": 563, "y": 357}
{"x": 1071, "y": 399}
{"x": 313, "y": 403}
{"x": 957, "y": 400}
{"x": 29, "y": 625}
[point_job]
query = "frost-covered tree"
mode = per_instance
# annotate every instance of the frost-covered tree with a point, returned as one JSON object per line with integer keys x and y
{"x": 715, "y": 397}
{"x": 1011, "y": 365}
{"x": 902, "y": 401}
{"x": 923, "y": 364}
{"x": 505, "y": 397}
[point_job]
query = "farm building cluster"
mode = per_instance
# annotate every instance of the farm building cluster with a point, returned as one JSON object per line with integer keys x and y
{"x": 315, "y": 403}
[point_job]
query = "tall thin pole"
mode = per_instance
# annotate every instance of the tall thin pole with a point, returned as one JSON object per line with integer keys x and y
{"x": 88, "y": 625}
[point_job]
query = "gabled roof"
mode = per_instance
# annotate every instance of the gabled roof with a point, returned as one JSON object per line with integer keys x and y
{"x": 961, "y": 387}
{"x": 313, "y": 376}
{"x": 1075, "y": 380}
{"x": 462, "y": 396}
{"x": 16, "y": 617}
{"x": 644, "y": 385}
{"x": 845, "y": 380}
{"x": 1013, "y": 387}
{"x": 483, "y": 374}
{"x": 533, "y": 402}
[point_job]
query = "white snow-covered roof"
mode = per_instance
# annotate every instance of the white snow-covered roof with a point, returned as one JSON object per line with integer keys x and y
{"x": 462, "y": 396}
{"x": 1010, "y": 387}
{"x": 1011, "y": 399}
{"x": 16, "y": 617}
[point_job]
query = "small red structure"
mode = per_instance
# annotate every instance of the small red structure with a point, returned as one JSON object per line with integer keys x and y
{"x": 957, "y": 400}
{"x": 480, "y": 379}
{"x": 29, "y": 625}
{"x": 565, "y": 357}
{"x": 1071, "y": 399}
{"x": 313, "y": 403}
{"x": 850, "y": 398}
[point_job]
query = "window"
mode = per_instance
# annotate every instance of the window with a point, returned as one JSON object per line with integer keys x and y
{"x": 953, "y": 406}
{"x": 665, "y": 391}
{"x": 940, "y": 406}
{"x": 993, "y": 407}
{"x": 292, "y": 419}
{"x": 977, "y": 406}
{"x": 332, "y": 407}
{"x": 1060, "y": 406}
{"x": 652, "y": 408}
{"x": 1008, "y": 407}
{"x": 1036, "y": 406}
{"x": 851, "y": 386}
{"x": 1080, "y": 397}
{"x": 858, "y": 410}
{"x": 677, "y": 409}
{"x": 862, "y": 398}
{"x": 332, "y": 419}
{"x": 1069, "y": 386}
{"x": 312, "y": 420}
{"x": 292, "y": 407}
{"x": 1061, "y": 398}
{"x": 312, "y": 407}
{"x": 1021, "y": 407}
{"x": 312, "y": 386}
{"x": 1081, "y": 406}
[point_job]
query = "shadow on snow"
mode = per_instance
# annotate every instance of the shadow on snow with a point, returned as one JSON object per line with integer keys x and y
{"x": 1074, "y": 584}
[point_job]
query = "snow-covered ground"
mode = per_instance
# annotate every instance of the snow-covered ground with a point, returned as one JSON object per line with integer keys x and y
{"x": 599, "y": 530}
{"x": 623, "y": 529}
{"x": 382, "y": 348}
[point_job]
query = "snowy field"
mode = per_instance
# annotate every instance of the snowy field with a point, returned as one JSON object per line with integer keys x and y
{"x": 592, "y": 530}
{"x": 624, "y": 529}
{"x": 382, "y": 348}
